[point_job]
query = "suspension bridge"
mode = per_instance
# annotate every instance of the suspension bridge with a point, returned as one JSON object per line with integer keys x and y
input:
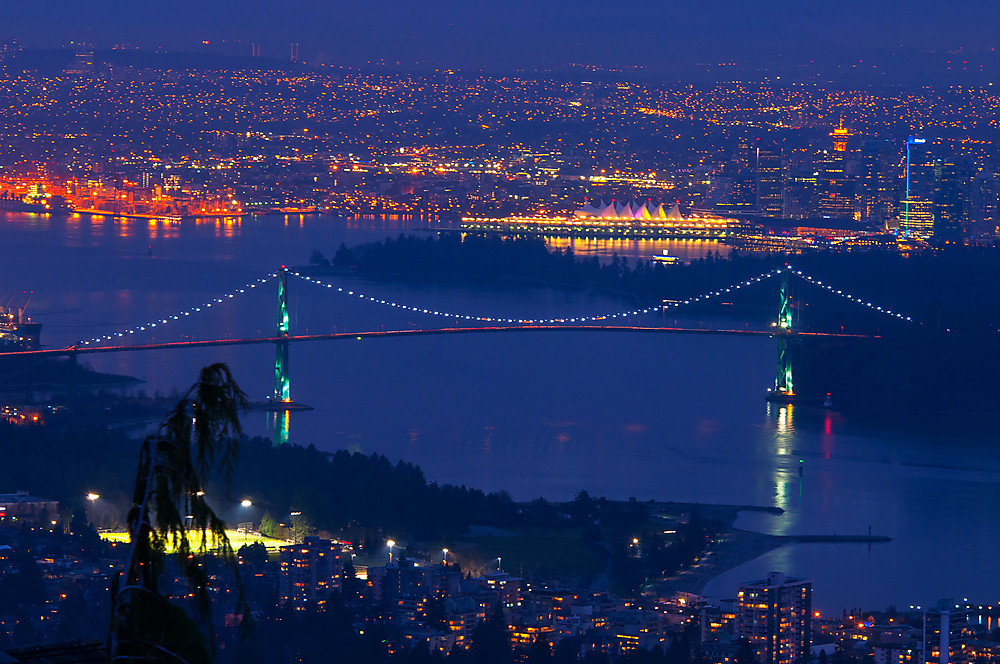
{"x": 782, "y": 328}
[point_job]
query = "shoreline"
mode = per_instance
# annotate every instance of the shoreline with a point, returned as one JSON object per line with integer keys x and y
{"x": 734, "y": 547}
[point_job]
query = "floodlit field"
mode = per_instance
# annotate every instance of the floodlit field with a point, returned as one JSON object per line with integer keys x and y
{"x": 236, "y": 539}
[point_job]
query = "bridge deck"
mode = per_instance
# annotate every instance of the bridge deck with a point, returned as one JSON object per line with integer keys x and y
{"x": 337, "y": 336}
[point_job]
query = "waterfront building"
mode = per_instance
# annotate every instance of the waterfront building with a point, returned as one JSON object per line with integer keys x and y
{"x": 310, "y": 572}
{"x": 944, "y": 634}
{"x": 774, "y": 616}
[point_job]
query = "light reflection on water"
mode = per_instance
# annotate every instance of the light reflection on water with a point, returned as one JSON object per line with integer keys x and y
{"x": 686, "y": 250}
{"x": 666, "y": 417}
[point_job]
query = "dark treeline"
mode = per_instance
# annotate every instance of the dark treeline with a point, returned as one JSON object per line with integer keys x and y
{"x": 349, "y": 493}
{"x": 31, "y": 373}
{"x": 521, "y": 259}
{"x": 943, "y": 290}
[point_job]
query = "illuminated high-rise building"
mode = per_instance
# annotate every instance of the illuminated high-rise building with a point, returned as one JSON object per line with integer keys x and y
{"x": 876, "y": 183}
{"x": 984, "y": 201}
{"x": 309, "y": 573}
{"x": 916, "y": 209}
{"x": 743, "y": 190}
{"x": 799, "y": 195}
{"x": 840, "y": 136}
{"x": 769, "y": 180}
{"x": 944, "y": 634}
{"x": 952, "y": 190}
{"x": 774, "y": 615}
{"x": 835, "y": 190}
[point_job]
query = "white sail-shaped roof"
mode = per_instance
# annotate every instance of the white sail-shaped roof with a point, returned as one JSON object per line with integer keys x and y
{"x": 675, "y": 213}
{"x": 607, "y": 211}
{"x": 659, "y": 213}
{"x": 619, "y": 209}
{"x": 643, "y": 212}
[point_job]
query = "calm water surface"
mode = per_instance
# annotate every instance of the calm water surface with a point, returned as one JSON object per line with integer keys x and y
{"x": 655, "y": 417}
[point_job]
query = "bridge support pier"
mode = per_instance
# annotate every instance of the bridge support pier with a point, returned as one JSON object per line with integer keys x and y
{"x": 74, "y": 368}
{"x": 783, "y": 373}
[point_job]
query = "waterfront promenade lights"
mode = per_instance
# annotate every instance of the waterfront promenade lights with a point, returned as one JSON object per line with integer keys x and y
{"x": 390, "y": 544}
{"x": 92, "y": 497}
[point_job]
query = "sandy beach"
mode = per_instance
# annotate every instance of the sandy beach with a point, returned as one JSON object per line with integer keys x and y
{"x": 732, "y": 547}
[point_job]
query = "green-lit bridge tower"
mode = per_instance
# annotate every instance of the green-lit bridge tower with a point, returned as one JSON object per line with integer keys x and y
{"x": 783, "y": 387}
{"x": 281, "y": 383}
{"x": 280, "y": 406}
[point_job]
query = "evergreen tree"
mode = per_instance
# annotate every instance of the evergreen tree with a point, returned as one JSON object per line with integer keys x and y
{"x": 197, "y": 438}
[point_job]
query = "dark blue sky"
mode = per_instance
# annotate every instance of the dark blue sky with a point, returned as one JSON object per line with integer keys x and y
{"x": 474, "y": 33}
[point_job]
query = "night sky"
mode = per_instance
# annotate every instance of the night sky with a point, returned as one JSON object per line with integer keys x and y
{"x": 657, "y": 34}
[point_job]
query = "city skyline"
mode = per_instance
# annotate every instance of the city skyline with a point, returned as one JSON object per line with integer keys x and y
{"x": 529, "y": 333}
{"x": 737, "y": 37}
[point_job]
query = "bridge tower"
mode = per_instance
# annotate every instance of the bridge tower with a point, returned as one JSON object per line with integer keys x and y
{"x": 280, "y": 405}
{"x": 281, "y": 402}
{"x": 783, "y": 386}
{"x": 282, "y": 390}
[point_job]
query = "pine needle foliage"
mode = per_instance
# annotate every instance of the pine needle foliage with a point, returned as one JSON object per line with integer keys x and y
{"x": 196, "y": 442}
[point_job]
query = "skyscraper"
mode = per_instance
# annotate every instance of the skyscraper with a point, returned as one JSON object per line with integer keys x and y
{"x": 743, "y": 192}
{"x": 944, "y": 634}
{"x": 769, "y": 180}
{"x": 835, "y": 189}
{"x": 775, "y": 616}
{"x": 952, "y": 190}
{"x": 798, "y": 198}
{"x": 876, "y": 187}
{"x": 916, "y": 210}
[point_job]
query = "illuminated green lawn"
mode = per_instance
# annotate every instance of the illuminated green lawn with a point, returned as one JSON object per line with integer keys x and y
{"x": 236, "y": 539}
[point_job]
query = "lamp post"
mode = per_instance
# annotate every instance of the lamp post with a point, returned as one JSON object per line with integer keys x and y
{"x": 498, "y": 563}
{"x": 246, "y": 510}
{"x": 391, "y": 544}
{"x": 444, "y": 556}
{"x": 92, "y": 497}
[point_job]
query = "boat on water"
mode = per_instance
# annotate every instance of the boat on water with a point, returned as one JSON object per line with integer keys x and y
{"x": 42, "y": 205}
{"x": 666, "y": 259}
{"x": 17, "y": 330}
